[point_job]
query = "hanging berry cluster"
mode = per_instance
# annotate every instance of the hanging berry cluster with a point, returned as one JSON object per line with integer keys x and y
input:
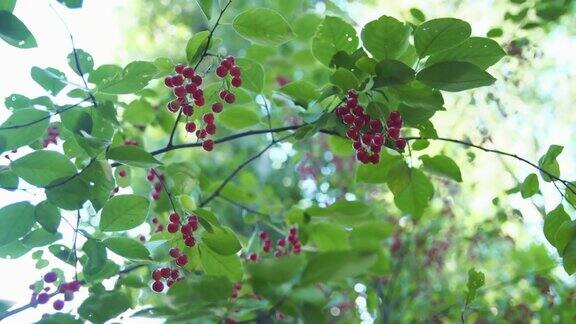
{"x": 283, "y": 246}
{"x": 67, "y": 288}
{"x": 51, "y": 136}
{"x": 236, "y": 290}
{"x": 166, "y": 274}
{"x": 157, "y": 181}
{"x": 186, "y": 86}
{"x": 367, "y": 133}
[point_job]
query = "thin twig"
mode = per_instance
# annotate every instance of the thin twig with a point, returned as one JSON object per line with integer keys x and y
{"x": 241, "y": 206}
{"x": 168, "y": 193}
{"x": 74, "y": 246}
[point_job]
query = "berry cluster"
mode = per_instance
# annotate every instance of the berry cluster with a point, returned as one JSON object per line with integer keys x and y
{"x": 159, "y": 227}
{"x": 157, "y": 180}
{"x": 283, "y": 245}
{"x": 67, "y": 288}
{"x": 186, "y": 84}
{"x": 51, "y": 136}
{"x": 167, "y": 274}
{"x": 367, "y": 133}
{"x": 236, "y": 290}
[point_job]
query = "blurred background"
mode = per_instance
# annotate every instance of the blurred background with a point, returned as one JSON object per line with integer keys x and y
{"x": 481, "y": 222}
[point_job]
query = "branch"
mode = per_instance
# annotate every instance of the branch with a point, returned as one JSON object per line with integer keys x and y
{"x": 242, "y": 206}
{"x": 204, "y": 54}
{"x": 168, "y": 193}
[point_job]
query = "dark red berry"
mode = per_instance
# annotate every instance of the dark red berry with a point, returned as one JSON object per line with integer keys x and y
{"x": 352, "y": 103}
{"x": 223, "y": 94}
{"x": 187, "y": 110}
{"x": 230, "y": 98}
{"x": 122, "y": 173}
{"x": 158, "y": 286}
{"x": 221, "y": 71}
{"x": 58, "y": 304}
{"x": 199, "y": 102}
{"x": 198, "y": 94}
{"x": 180, "y": 92}
{"x": 237, "y": 286}
{"x": 156, "y": 196}
{"x": 50, "y": 277}
{"x": 197, "y": 80}
{"x": 374, "y": 158}
{"x": 375, "y": 125}
{"x": 177, "y": 80}
{"x": 217, "y": 107}
{"x": 186, "y": 230}
{"x": 42, "y": 298}
{"x": 395, "y": 116}
{"x": 208, "y": 118}
{"x": 208, "y": 145}
{"x": 253, "y": 257}
{"x": 190, "y": 127}
{"x": 236, "y": 82}
{"x": 378, "y": 139}
{"x": 172, "y": 228}
{"x": 352, "y": 93}
{"x": 182, "y": 260}
{"x": 193, "y": 222}
{"x": 156, "y": 274}
{"x": 234, "y": 295}
{"x": 210, "y": 129}
{"x": 362, "y": 156}
{"x": 393, "y": 132}
{"x": 190, "y": 241}
{"x": 349, "y": 119}
{"x": 175, "y": 274}
{"x": 174, "y": 217}
{"x": 281, "y": 242}
{"x": 179, "y": 68}
{"x": 188, "y": 72}
{"x": 150, "y": 176}
{"x": 293, "y": 231}
{"x": 230, "y": 59}
{"x": 400, "y": 144}
{"x": 201, "y": 133}
{"x": 235, "y": 71}
{"x": 191, "y": 88}
{"x": 165, "y": 272}
{"x": 173, "y": 106}
{"x": 357, "y": 145}
{"x": 263, "y": 235}
{"x": 168, "y": 81}
{"x": 74, "y": 285}
{"x": 174, "y": 252}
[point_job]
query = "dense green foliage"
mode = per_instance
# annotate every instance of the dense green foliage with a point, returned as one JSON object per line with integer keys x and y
{"x": 392, "y": 234}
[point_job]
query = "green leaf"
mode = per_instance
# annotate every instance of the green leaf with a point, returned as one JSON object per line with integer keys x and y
{"x": 417, "y": 14}
{"x": 101, "y": 307}
{"x": 104, "y": 73}
{"x": 440, "y": 34}
{"x": 17, "y": 101}
{"x": 301, "y": 92}
{"x": 442, "y": 165}
{"x": 565, "y": 233}
{"x": 495, "y": 32}
{"x": 340, "y": 146}
{"x": 238, "y": 117}
{"x": 416, "y": 196}
{"x": 8, "y": 179}
{"x": 418, "y": 95}
{"x": 133, "y": 78}
{"x": 23, "y": 127}
{"x": 7, "y": 5}
{"x": 40, "y": 237}
{"x": 530, "y": 186}
{"x": 124, "y": 212}
{"x": 222, "y": 240}
{"x": 344, "y": 79}
{"x": 72, "y": 4}
{"x": 206, "y": 289}
{"x": 196, "y": 45}
{"x": 132, "y": 155}
{"x": 51, "y": 79}
{"x": 263, "y": 26}
{"x": 100, "y": 174}
{"x": 206, "y": 7}
{"x": 332, "y": 266}
{"x": 42, "y": 168}
{"x": 480, "y": 51}
{"x": 128, "y": 248}
{"x": 14, "y": 32}
{"x": 454, "y": 76}
{"x": 80, "y": 62}
{"x": 475, "y": 281}
{"x": 343, "y": 211}
{"x": 329, "y": 237}
{"x": 16, "y": 220}
{"x": 96, "y": 256}
{"x": 552, "y": 222}
{"x": 370, "y": 235}
{"x": 569, "y": 192}
{"x": 63, "y": 253}
{"x": 548, "y": 162}
{"x": 569, "y": 257}
{"x": 139, "y": 113}
{"x": 13, "y": 250}
{"x": 377, "y": 173}
{"x": 69, "y": 194}
{"x": 48, "y": 216}
{"x": 215, "y": 264}
{"x": 392, "y": 72}
{"x": 59, "y": 318}
{"x": 333, "y": 35}
{"x": 252, "y": 75}
{"x": 77, "y": 121}
{"x": 277, "y": 270}
{"x": 386, "y": 38}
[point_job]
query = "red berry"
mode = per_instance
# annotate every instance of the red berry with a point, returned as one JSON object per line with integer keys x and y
{"x": 393, "y": 132}
{"x": 395, "y": 116}
{"x": 165, "y": 272}
{"x": 217, "y": 107}
{"x": 352, "y": 103}
{"x": 193, "y": 222}
{"x": 172, "y": 228}
{"x": 221, "y": 71}
{"x": 177, "y": 80}
{"x": 235, "y": 71}
{"x": 211, "y": 129}
{"x": 50, "y": 277}
{"x": 186, "y": 230}
{"x": 374, "y": 158}
{"x": 237, "y": 286}
{"x": 281, "y": 242}
{"x": 191, "y": 88}
{"x": 352, "y": 93}
{"x": 209, "y": 118}
{"x": 236, "y": 82}
{"x": 358, "y": 111}
{"x": 199, "y": 102}
{"x": 168, "y": 81}
{"x": 349, "y": 119}
{"x": 174, "y": 252}
{"x": 234, "y": 295}
{"x": 58, "y": 304}
{"x": 378, "y": 139}
{"x": 341, "y": 111}
{"x": 150, "y": 176}
{"x": 190, "y": 127}
{"x": 230, "y": 98}
{"x": 156, "y": 274}
{"x": 156, "y": 196}
{"x": 375, "y": 125}
{"x": 223, "y": 94}
{"x": 182, "y": 260}
{"x": 175, "y": 274}
{"x": 173, "y": 106}
{"x": 42, "y": 298}
{"x": 174, "y": 217}
{"x": 179, "y": 68}
{"x": 359, "y": 122}
{"x": 253, "y": 257}
{"x": 367, "y": 138}
{"x": 208, "y": 145}
{"x": 263, "y": 235}
{"x": 357, "y": 145}
{"x": 190, "y": 241}
{"x": 197, "y": 80}
{"x": 188, "y": 72}
{"x": 198, "y": 94}
{"x": 201, "y": 133}
{"x": 400, "y": 144}
{"x": 180, "y": 92}
{"x": 362, "y": 156}
{"x": 187, "y": 110}
{"x": 293, "y": 231}
{"x": 158, "y": 286}
{"x": 297, "y": 250}
{"x": 230, "y": 59}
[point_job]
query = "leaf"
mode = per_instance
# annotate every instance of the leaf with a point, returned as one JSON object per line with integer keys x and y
{"x": 205, "y": 289}
{"x": 206, "y": 7}
{"x": 23, "y": 127}
{"x": 42, "y": 168}
{"x": 386, "y": 38}
{"x": 72, "y": 4}
{"x": 336, "y": 265}
{"x": 63, "y": 253}
{"x": 133, "y": 78}
{"x": 196, "y": 45}
{"x": 51, "y": 79}
{"x": 442, "y": 165}
{"x": 139, "y": 113}
{"x": 104, "y": 73}
{"x": 343, "y": 211}
{"x": 302, "y": 92}
{"x": 100, "y": 174}
{"x": 329, "y": 237}
{"x": 340, "y": 146}
{"x": 40, "y": 237}
{"x": 454, "y": 76}
{"x": 132, "y": 155}
{"x": 77, "y": 121}
{"x": 222, "y": 240}
{"x": 475, "y": 281}
{"x": 16, "y": 220}
{"x": 370, "y": 235}
{"x": 252, "y": 75}
{"x": 530, "y": 186}
{"x": 96, "y": 256}
{"x": 263, "y": 26}
{"x": 123, "y": 212}
{"x": 392, "y": 72}
{"x": 480, "y": 51}
{"x": 548, "y": 162}
{"x": 48, "y": 216}
{"x": 495, "y": 32}
{"x": 14, "y": 32}
{"x": 7, "y": 5}
{"x": 238, "y": 117}
{"x": 417, "y": 14}
{"x": 377, "y": 173}
{"x": 277, "y": 270}
{"x": 8, "y": 179}
{"x": 80, "y": 62}
{"x": 569, "y": 257}
{"x": 69, "y": 194}
{"x": 101, "y": 307}
{"x": 59, "y": 318}
{"x": 440, "y": 34}
{"x": 215, "y": 264}
{"x": 566, "y": 232}
{"x": 552, "y": 222}
{"x": 128, "y": 248}
{"x": 344, "y": 79}
{"x": 416, "y": 195}
{"x": 332, "y": 36}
